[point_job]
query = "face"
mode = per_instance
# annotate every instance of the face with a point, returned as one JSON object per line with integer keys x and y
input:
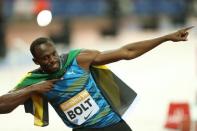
{"x": 47, "y": 57}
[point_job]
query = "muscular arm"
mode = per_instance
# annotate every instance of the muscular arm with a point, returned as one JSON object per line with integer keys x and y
{"x": 129, "y": 51}
{"x": 10, "y": 101}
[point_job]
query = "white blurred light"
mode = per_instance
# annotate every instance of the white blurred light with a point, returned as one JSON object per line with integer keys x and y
{"x": 44, "y": 18}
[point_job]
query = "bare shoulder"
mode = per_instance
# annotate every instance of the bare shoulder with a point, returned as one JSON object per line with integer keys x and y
{"x": 89, "y": 51}
{"x": 86, "y": 56}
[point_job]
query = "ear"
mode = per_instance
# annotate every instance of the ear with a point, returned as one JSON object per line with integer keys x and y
{"x": 35, "y": 61}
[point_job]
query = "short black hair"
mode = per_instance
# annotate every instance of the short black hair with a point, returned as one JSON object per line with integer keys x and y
{"x": 38, "y": 42}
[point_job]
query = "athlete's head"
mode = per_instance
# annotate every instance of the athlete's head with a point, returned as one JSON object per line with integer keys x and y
{"x": 45, "y": 54}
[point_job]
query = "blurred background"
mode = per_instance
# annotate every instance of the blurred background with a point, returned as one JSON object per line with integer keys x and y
{"x": 164, "y": 78}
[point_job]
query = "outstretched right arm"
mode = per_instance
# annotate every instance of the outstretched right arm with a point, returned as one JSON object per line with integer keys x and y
{"x": 11, "y": 100}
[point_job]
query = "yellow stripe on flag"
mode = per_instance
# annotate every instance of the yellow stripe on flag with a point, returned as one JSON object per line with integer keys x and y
{"x": 102, "y": 67}
{"x": 38, "y": 108}
{"x": 26, "y": 75}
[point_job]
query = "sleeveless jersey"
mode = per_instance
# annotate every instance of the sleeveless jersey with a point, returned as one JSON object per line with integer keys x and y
{"x": 79, "y": 102}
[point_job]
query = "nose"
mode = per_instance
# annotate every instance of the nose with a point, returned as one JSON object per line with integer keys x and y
{"x": 52, "y": 59}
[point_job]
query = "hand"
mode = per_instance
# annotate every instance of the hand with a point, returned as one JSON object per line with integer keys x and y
{"x": 180, "y": 35}
{"x": 43, "y": 86}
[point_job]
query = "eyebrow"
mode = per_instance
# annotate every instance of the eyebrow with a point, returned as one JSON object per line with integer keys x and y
{"x": 48, "y": 54}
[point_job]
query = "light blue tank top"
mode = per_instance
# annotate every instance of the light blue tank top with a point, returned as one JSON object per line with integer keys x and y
{"x": 77, "y": 95}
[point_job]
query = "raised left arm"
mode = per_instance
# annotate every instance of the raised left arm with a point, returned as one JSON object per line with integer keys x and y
{"x": 133, "y": 50}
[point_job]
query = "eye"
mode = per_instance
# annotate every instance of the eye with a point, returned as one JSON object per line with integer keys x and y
{"x": 45, "y": 57}
{"x": 54, "y": 53}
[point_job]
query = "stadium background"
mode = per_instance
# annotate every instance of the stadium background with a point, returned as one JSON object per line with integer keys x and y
{"x": 166, "y": 74}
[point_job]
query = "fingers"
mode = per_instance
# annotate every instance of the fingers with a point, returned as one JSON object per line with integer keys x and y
{"x": 188, "y": 28}
{"x": 183, "y": 33}
{"x": 53, "y": 80}
{"x": 184, "y": 36}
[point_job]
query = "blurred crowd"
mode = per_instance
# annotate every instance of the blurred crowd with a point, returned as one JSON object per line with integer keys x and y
{"x": 147, "y": 12}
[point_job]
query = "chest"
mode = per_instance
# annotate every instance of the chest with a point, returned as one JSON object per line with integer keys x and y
{"x": 72, "y": 82}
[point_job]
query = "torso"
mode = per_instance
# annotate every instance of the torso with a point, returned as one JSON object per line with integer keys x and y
{"x": 78, "y": 83}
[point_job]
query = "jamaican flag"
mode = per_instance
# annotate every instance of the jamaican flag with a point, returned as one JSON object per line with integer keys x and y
{"x": 38, "y": 105}
{"x": 116, "y": 92}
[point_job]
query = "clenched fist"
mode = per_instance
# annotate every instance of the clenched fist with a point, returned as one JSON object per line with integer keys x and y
{"x": 43, "y": 86}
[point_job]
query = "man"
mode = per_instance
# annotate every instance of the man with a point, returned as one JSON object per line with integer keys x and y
{"x": 76, "y": 96}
